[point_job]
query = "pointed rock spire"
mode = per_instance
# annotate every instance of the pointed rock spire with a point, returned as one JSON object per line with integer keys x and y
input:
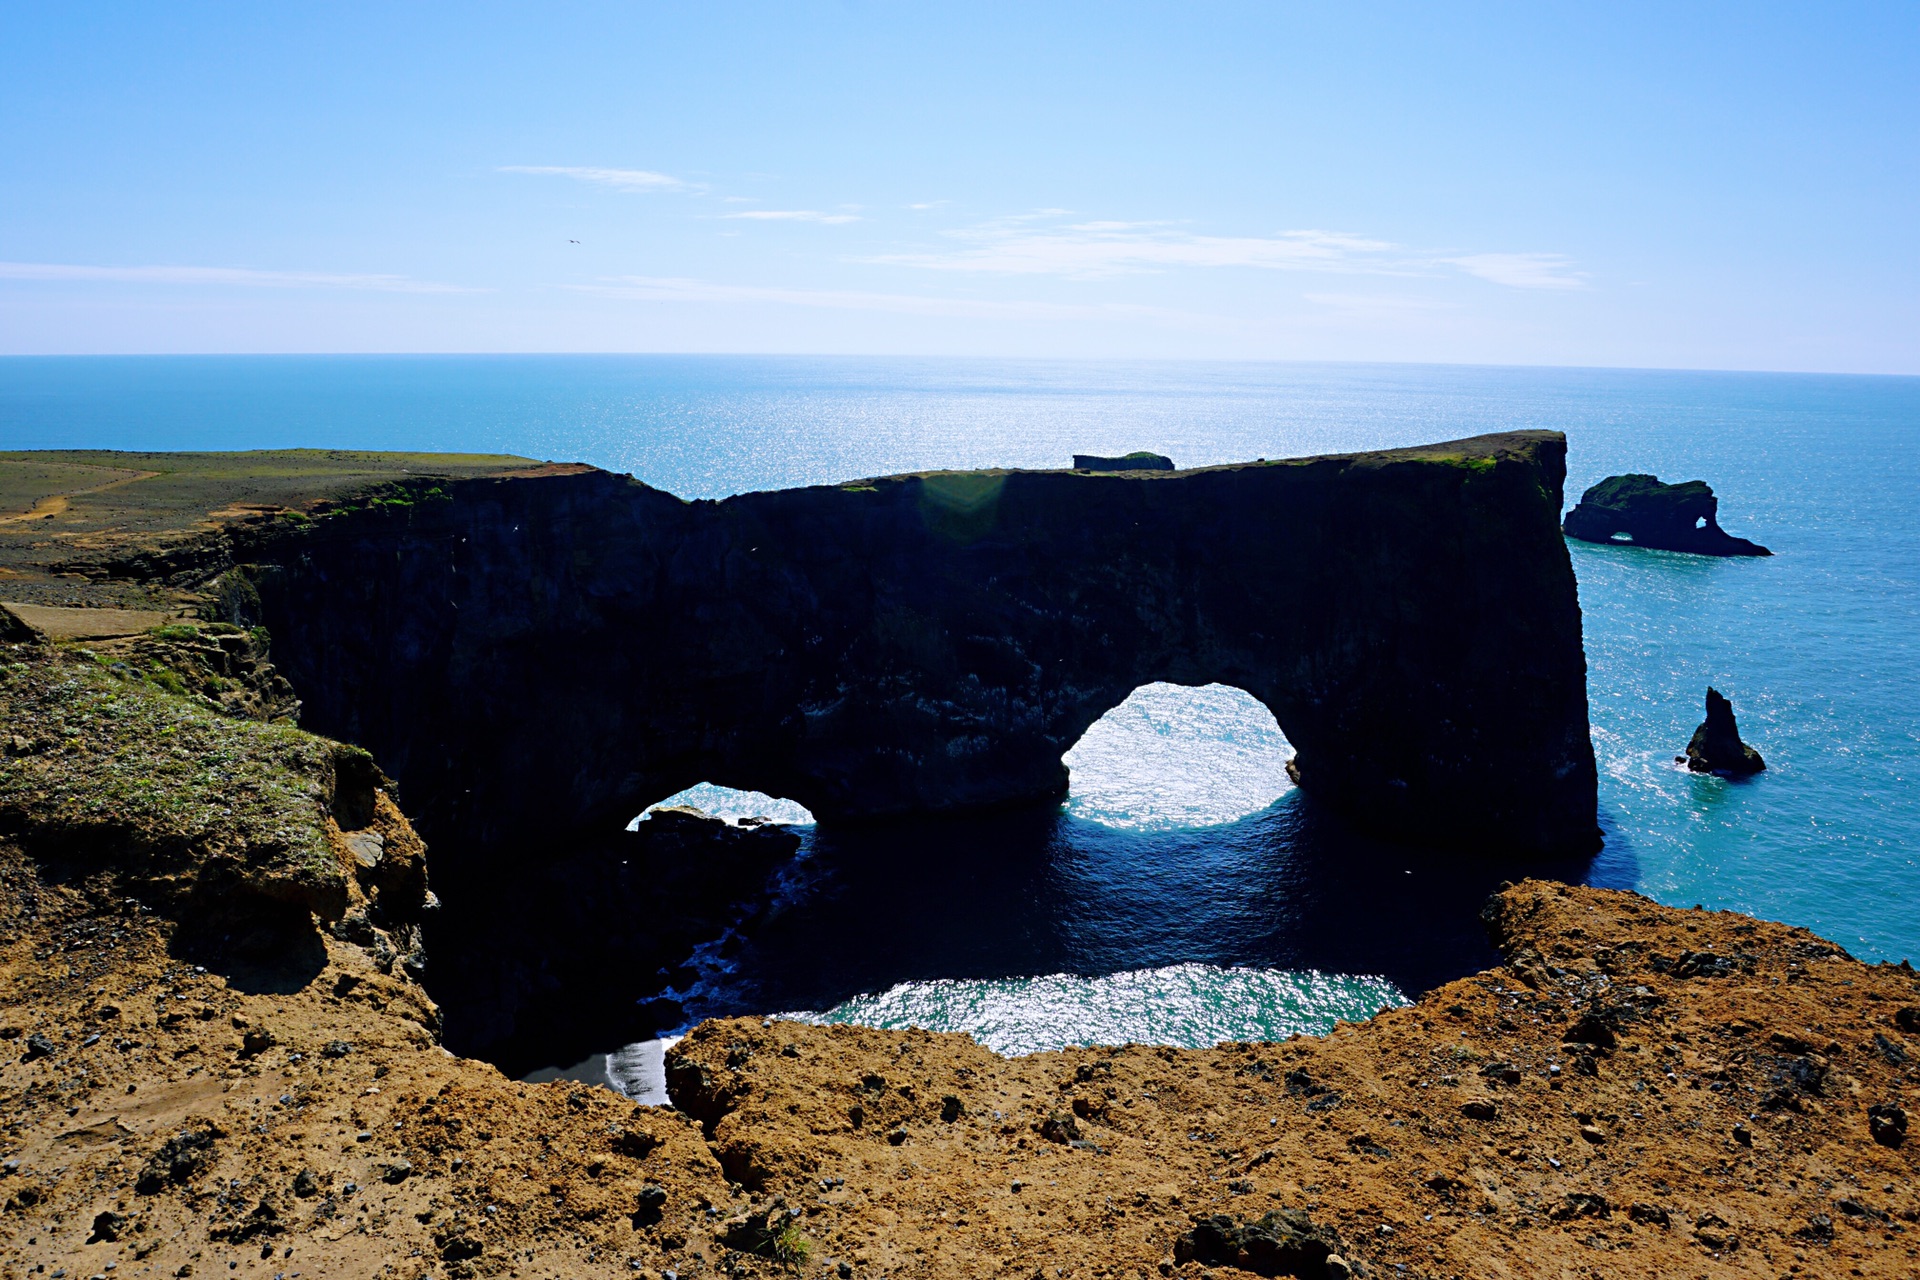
{"x": 1716, "y": 745}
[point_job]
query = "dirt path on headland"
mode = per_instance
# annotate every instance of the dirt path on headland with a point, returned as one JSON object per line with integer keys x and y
{"x": 56, "y": 504}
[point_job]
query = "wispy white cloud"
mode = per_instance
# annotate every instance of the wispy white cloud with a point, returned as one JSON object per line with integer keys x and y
{"x": 682, "y": 289}
{"x": 623, "y": 179}
{"x": 238, "y": 277}
{"x": 928, "y": 204}
{"x": 1522, "y": 270}
{"x": 793, "y": 215}
{"x": 1044, "y": 243}
{"x": 1017, "y": 246}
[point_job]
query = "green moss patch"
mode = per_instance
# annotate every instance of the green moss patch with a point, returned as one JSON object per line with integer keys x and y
{"x": 114, "y": 770}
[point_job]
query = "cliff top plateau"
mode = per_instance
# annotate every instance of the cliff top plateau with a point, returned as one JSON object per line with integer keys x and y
{"x": 259, "y": 1089}
{"x": 59, "y": 506}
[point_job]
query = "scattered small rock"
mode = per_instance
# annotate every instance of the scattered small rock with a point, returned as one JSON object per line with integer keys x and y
{"x": 107, "y": 1227}
{"x": 1819, "y": 1227}
{"x": 180, "y": 1160}
{"x": 1060, "y": 1127}
{"x": 1592, "y": 1029}
{"x": 649, "y": 1202}
{"x": 1583, "y": 1204}
{"x": 1888, "y": 1124}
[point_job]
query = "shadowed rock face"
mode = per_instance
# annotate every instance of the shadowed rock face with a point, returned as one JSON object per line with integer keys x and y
{"x": 1666, "y": 517}
{"x": 533, "y": 656}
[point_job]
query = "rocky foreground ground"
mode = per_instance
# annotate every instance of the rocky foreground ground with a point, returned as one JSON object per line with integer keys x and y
{"x": 216, "y": 1058}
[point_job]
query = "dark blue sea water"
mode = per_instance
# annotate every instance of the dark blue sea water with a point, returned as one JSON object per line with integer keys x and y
{"x": 1165, "y": 906}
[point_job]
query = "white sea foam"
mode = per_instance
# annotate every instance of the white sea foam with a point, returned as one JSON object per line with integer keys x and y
{"x": 1187, "y": 1005}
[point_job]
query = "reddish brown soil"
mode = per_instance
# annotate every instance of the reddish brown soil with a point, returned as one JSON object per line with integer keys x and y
{"x": 1724, "y": 1132}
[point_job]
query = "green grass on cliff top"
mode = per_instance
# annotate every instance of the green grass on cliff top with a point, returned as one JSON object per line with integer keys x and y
{"x": 93, "y": 491}
{"x": 99, "y": 755}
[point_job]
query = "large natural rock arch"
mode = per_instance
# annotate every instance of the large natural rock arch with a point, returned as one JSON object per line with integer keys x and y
{"x": 534, "y": 655}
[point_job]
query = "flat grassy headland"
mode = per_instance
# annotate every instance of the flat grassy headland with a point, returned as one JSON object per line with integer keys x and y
{"x": 58, "y": 505}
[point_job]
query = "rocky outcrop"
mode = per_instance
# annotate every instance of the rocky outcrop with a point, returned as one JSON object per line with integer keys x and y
{"x": 545, "y": 968}
{"x": 1679, "y": 1090}
{"x": 253, "y": 836}
{"x": 536, "y": 656}
{"x": 1674, "y": 1090}
{"x": 1716, "y": 746}
{"x": 1141, "y": 460}
{"x": 1668, "y": 517}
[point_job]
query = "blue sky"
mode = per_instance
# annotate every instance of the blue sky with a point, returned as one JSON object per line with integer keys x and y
{"x": 1721, "y": 186}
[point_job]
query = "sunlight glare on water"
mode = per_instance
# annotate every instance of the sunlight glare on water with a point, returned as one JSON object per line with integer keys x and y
{"x": 1194, "y": 1005}
{"x": 1175, "y": 757}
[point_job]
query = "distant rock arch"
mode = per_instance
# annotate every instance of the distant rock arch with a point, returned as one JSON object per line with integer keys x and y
{"x": 1641, "y": 510}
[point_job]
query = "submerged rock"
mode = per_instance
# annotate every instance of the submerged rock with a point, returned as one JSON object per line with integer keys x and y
{"x": 1716, "y": 745}
{"x": 1668, "y": 517}
{"x": 1142, "y": 460}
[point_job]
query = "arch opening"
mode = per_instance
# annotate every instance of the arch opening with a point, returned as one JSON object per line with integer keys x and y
{"x": 1178, "y": 757}
{"x": 732, "y": 805}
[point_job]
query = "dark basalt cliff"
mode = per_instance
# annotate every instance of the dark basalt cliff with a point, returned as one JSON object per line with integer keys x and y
{"x": 1667, "y": 517}
{"x": 537, "y": 655}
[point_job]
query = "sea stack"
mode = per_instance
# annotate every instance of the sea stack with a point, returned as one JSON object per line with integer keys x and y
{"x": 1716, "y": 745}
{"x": 1140, "y": 461}
{"x": 1667, "y": 517}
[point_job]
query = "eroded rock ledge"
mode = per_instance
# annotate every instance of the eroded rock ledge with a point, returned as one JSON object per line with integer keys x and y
{"x": 1635, "y": 1091}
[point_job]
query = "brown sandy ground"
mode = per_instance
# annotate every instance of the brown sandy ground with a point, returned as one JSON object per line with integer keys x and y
{"x": 1638, "y": 1091}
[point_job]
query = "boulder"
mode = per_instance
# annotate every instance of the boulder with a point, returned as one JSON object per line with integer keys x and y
{"x": 1716, "y": 745}
{"x": 1668, "y": 517}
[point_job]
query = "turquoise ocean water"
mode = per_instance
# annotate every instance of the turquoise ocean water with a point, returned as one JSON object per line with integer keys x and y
{"x": 1149, "y": 914}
